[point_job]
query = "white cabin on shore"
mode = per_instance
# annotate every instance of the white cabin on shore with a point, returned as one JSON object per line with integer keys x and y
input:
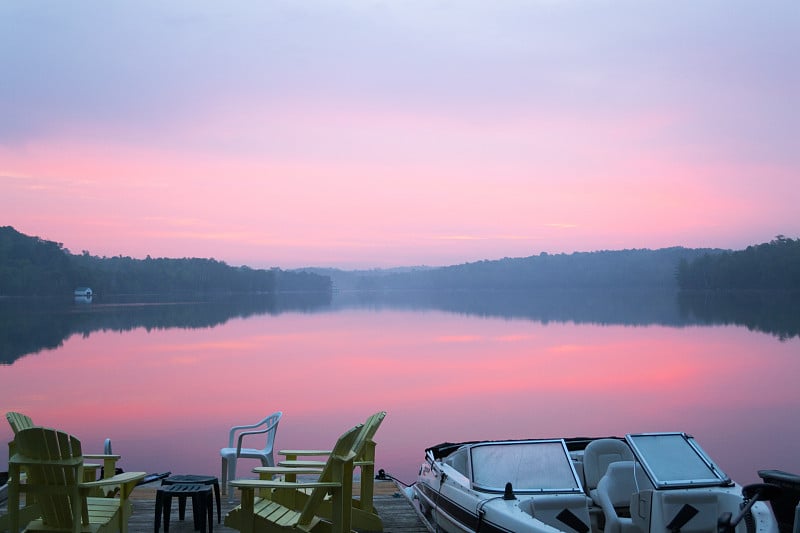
{"x": 83, "y": 292}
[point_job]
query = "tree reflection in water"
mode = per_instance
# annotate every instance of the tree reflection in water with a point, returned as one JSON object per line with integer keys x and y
{"x": 166, "y": 380}
{"x": 29, "y": 326}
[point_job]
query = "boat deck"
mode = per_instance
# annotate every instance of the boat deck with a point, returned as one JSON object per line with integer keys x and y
{"x": 396, "y": 511}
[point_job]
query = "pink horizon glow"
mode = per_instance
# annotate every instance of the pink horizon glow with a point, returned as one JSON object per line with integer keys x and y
{"x": 426, "y": 136}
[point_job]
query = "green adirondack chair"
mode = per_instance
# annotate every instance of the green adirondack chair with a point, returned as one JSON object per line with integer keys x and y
{"x": 256, "y": 514}
{"x": 365, "y": 517}
{"x": 53, "y": 461}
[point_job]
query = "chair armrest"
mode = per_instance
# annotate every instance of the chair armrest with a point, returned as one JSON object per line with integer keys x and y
{"x": 242, "y": 435}
{"x": 102, "y": 456}
{"x": 297, "y": 453}
{"x": 246, "y": 426}
{"x": 317, "y": 464}
{"x": 280, "y": 470}
{"x": 127, "y": 482}
{"x": 234, "y": 429}
{"x": 250, "y": 487}
{"x": 268, "y": 484}
{"x": 302, "y": 464}
{"x": 109, "y": 462}
{"x": 289, "y": 474}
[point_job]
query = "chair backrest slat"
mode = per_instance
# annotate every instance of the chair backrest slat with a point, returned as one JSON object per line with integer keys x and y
{"x": 53, "y": 460}
{"x": 342, "y": 453}
{"x": 366, "y": 454}
{"x": 355, "y": 444}
{"x": 370, "y": 429}
{"x": 271, "y": 430}
{"x": 19, "y": 421}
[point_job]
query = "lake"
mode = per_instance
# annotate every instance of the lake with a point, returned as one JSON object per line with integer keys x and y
{"x": 166, "y": 380}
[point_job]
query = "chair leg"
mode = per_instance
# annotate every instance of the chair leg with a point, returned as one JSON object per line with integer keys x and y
{"x": 198, "y": 512}
{"x": 229, "y": 475}
{"x": 224, "y": 476}
{"x": 166, "y": 511}
{"x": 159, "y": 504}
{"x": 181, "y": 507}
{"x": 219, "y": 507}
{"x": 210, "y": 510}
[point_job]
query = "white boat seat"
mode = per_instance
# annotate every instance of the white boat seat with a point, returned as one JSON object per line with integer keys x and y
{"x": 577, "y": 462}
{"x": 614, "y": 493}
{"x": 565, "y": 512}
{"x": 796, "y": 519}
{"x": 692, "y": 511}
{"x": 579, "y": 470}
{"x": 597, "y": 456}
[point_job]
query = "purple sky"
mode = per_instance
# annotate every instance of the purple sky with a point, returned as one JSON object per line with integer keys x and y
{"x": 363, "y": 134}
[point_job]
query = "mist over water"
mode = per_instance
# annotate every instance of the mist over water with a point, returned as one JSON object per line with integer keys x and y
{"x": 166, "y": 380}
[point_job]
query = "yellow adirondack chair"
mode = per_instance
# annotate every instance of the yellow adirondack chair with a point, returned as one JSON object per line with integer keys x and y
{"x": 336, "y": 480}
{"x": 365, "y": 517}
{"x": 30, "y": 510}
{"x": 53, "y": 462}
{"x": 19, "y": 421}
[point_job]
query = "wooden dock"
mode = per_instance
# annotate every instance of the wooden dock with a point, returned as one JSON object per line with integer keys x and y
{"x": 397, "y": 512}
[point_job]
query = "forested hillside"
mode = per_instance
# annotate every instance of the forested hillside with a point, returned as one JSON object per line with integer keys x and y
{"x": 30, "y": 266}
{"x": 772, "y": 265}
{"x": 580, "y": 270}
{"x": 33, "y": 266}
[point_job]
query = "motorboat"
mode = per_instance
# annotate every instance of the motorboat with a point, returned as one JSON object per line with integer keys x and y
{"x": 642, "y": 483}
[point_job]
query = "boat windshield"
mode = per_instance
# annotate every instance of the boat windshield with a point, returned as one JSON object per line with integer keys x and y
{"x": 530, "y": 466}
{"x": 674, "y": 460}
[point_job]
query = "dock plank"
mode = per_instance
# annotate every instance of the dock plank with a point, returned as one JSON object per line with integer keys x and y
{"x": 396, "y": 511}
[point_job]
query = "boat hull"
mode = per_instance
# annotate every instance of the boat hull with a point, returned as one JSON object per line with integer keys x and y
{"x": 458, "y": 490}
{"x": 453, "y": 508}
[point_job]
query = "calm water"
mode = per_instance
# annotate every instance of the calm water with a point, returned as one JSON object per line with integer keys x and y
{"x": 166, "y": 382}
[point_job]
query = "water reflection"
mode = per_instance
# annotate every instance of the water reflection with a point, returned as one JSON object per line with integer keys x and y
{"x": 774, "y": 312}
{"x": 27, "y": 327}
{"x": 167, "y": 397}
{"x": 600, "y": 306}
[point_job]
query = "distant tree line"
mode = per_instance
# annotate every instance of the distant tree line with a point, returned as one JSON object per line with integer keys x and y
{"x": 33, "y": 266}
{"x": 30, "y": 266}
{"x": 769, "y": 266}
{"x": 581, "y": 270}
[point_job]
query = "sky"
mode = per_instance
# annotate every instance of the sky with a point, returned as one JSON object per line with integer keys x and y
{"x": 364, "y": 134}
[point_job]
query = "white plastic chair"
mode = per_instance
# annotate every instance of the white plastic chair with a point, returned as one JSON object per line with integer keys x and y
{"x": 233, "y": 452}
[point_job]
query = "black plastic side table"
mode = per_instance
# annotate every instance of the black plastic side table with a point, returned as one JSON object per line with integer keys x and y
{"x": 197, "y": 479}
{"x": 202, "y": 505}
